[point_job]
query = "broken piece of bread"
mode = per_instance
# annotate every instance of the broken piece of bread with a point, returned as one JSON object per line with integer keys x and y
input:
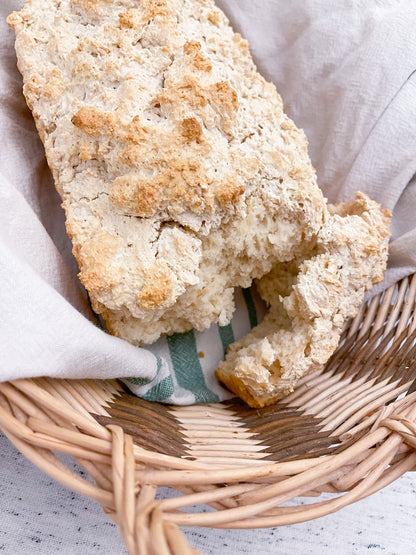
{"x": 310, "y": 300}
{"x": 182, "y": 178}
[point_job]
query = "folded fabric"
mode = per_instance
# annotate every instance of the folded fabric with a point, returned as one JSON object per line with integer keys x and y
{"x": 346, "y": 75}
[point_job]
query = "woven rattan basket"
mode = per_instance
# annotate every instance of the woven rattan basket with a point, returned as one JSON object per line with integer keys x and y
{"x": 349, "y": 430}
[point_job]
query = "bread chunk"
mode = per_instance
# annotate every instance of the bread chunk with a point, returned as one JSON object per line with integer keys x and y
{"x": 310, "y": 300}
{"x": 181, "y": 176}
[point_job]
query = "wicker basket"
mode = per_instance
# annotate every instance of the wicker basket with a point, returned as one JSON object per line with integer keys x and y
{"x": 349, "y": 430}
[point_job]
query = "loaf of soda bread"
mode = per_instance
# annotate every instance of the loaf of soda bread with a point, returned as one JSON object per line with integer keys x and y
{"x": 182, "y": 178}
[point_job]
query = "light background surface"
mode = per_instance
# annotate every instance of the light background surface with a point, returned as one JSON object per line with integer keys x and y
{"x": 39, "y": 516}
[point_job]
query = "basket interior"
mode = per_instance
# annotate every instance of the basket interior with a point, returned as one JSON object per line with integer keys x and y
{"x": 373, "y": 367}
{"x": 349, "y": 430}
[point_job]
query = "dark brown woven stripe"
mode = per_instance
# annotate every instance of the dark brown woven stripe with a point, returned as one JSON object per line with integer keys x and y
{"x": 302, "y": 448}
{"x": 286, "y": 433}
{"x": 151, "y": 424}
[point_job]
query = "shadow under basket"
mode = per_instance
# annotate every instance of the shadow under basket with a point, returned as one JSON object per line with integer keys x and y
{"x": 349, "y": 430}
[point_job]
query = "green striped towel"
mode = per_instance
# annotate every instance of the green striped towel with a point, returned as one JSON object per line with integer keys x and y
{"x": 185, "y": 363}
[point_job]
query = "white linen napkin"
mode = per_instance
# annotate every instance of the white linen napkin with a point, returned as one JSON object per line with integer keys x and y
{"x": 345, "y": 71}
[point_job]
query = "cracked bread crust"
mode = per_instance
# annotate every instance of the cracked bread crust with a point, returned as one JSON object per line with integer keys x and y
{"x": 309, "y": 303}
{"x": 182, "y": 178}
{"x": 180, "y": 175}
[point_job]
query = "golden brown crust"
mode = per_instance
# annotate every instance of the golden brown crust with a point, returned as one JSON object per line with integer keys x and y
{"x": 127, "y": 19}
{"x": 93, "y": 121}
{"x": 157, "y": 289}
{"x": 14, "y": 20}
{"x": 225, "y": 97}
{"x": 191, "y": 129}
{"x": 193, "y": 49}
{"x": 96, "y": 260}
{"x": 154, "y": 8}
{"x": 189, "y": 92}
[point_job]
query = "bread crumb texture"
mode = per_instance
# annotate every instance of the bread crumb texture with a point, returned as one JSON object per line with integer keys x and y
{"x": 182, "y": 178}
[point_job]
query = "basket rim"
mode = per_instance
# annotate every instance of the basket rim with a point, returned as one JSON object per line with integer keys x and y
{"x": 43, "y": 415}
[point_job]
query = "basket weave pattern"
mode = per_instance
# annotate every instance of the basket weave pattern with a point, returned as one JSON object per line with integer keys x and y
{"x": 348, "y": 430}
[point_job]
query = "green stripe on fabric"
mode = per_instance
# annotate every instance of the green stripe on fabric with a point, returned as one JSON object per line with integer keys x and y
{"x": 187, "y": 368}
{"x": 144, "y": 381}
{"x": 161, "y": 391}
{"x": 138, "y": 381}
{"x": 252, "y": 315}
{"x": 226, "y": 336}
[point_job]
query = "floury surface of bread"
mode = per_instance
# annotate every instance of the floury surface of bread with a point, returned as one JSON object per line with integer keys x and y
{"x": 182, "y": 178}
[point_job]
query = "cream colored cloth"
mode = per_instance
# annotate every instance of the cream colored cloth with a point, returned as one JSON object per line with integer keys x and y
{"x": 345, "y": 72}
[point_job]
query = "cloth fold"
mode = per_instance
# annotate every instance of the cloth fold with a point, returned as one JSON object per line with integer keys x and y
{"x": 346, "y": 73}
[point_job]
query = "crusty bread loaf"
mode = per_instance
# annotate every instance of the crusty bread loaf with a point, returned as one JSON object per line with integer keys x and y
{"x": 181, "y": 176}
